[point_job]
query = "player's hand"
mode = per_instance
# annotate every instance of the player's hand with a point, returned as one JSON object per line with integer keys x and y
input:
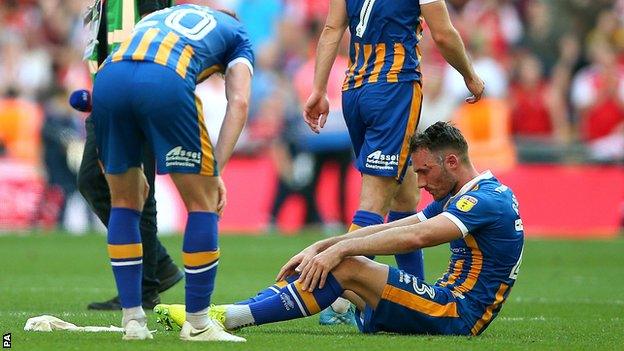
{"x": 315, "y": 272}
{"x": 222, "y": 196}
{"x": 315, "y": 111}
{"x": 297, "y": 262}
{"x": 476, "y": 86}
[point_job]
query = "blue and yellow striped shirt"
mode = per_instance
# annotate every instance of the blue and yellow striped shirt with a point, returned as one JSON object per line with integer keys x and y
{"x": 194, "y": 41}
{"x": 384, "y": 42}
{"x": 484, "y": 263}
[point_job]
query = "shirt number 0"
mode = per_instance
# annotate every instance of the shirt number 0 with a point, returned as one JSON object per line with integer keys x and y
{"x": 199, "y": 30}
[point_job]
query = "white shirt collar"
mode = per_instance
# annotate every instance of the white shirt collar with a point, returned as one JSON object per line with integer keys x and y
{"x": 464, "y": 189}
{"x": 471, "y": 183}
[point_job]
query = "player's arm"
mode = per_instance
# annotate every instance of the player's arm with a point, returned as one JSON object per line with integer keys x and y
{"x": 437, "y": 230}
{"x": 450, "y": 44}
{"x": 316, "y": 108}
{"x": 370, "y": 230}
{"x": 297, "y": 262}
{"x": 237, "y": 91}
{"x": 328, "y": 43}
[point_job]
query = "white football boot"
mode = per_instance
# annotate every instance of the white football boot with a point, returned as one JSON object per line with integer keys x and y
{"x": 212, "y": 332}
{"x": 135, "y": 331}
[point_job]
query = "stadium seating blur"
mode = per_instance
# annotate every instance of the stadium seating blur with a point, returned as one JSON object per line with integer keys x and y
{"x": 486, "y": 128}
{"x": 543, "y": 61}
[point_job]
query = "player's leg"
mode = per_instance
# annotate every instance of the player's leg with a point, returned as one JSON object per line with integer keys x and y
{"x": 119, "y": 139}
{"x": 159, "y": 271}
{"x": 361, "y": 276}
{"x": 404, "y": 205}
{"x": 408, "y": 305}
{"x": 392, "y": 111}
{"x": 200, "y": 248}
{"x": 94, "y": 188}
{"x": 128, "y": 193}
{"x": 172, "y": 119}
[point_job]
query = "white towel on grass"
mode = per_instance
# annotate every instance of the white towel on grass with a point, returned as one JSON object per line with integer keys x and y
{"x": 47, "y": 323}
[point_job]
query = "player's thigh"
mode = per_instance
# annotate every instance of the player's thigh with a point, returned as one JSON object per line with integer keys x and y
{"x": 198, "y": 192}
{"x": 391, "y": 112}
{"x": 377, "y": 193}
{"x": 408, "y": 194}
{"x": 128, "y": 189}
{"x": 365, "y": 277}
{"x": 117, "y": 131}
{"x": 409, "y": 305}
{"x": 173, "y": 122}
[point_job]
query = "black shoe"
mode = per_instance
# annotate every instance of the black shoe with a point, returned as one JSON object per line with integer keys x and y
{"x": 168, "y": 277}
{"x": 109, "y": 305}
{"x": 149, "y": 301}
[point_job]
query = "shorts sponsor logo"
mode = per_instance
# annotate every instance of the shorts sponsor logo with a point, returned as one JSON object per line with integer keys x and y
{"x": 178, "y": 157}
{"x": 381, "y": 161}
{"x": 287, "y": 301}
{"x": 466, "y": 203}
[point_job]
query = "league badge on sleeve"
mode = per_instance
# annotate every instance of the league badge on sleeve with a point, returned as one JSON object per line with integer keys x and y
{"x": 466, "y": 203}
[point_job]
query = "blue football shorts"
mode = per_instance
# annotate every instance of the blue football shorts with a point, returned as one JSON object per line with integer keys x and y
{"x": 381, "y": 118}
{"x": 408, "y": 305}
{"x": 138, "y": 101}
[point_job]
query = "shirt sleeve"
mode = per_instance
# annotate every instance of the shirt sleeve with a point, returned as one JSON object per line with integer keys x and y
{"x": 472, "y": 211}
{"x": 242, "y": 52}
{"x": 432, "y": 210}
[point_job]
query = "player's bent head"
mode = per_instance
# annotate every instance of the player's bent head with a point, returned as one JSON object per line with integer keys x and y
{"x": 439, "y": 157}
{"x": 441, "y": 139}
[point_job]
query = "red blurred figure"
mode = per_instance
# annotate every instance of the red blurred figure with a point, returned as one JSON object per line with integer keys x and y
{"x": 598, "y": 95}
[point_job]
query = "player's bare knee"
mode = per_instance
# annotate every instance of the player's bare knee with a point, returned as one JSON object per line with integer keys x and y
{"x": 347, "y": 271}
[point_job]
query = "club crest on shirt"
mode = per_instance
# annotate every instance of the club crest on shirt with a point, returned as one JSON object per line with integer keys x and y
{"x": 466, "y": 203}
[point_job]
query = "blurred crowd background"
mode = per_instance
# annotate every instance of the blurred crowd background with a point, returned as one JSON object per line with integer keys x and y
{"x": 554, "y": 73}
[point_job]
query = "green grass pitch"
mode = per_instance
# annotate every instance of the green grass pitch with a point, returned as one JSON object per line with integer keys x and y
{"x": 569, "y": 295}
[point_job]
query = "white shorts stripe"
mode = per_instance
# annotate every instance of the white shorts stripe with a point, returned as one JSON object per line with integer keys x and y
{"x": 126, "y": 263}
{"x": 274, "y": 289}
{"x": 201, "y": 270}
{"x": 296, "y": 300}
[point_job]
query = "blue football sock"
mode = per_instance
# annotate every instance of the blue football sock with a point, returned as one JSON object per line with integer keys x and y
{"x": 126, "y": 254}
{"x": 292, "y": 302}
{"x": 268, "y": 292}
{"x": 411, "y": 262}
{"x": 200, "y": 254}
{"x": 363, "y": 219}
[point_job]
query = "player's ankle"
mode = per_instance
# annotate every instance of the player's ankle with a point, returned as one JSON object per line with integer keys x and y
{"x": 133, "y": 313}
{"x": 198, "y": 320}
